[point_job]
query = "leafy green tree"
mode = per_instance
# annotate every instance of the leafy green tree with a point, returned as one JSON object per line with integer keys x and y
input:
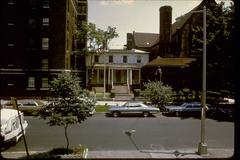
{"x": 97, "y": 41}
{"x": 186, "y": 95}
{"x": 69, "y": 105}
{"x": 158, "y": 93}
{"x": 220, "y": 26}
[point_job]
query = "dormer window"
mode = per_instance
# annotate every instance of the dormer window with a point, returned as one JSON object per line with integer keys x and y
{"x": 96, "y": 59}
{"x": 124, "y": 59}
{"x": 139, "y": 59}
{"x": 110, "y": 59}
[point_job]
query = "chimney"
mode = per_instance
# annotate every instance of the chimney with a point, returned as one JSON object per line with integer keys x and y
{"x": 130, "y": 41}
{"x": 165, "y": 30}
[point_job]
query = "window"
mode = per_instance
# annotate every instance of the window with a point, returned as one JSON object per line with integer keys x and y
{"x": 44, "y": 64}
{"x": 11, "y": 45}
{"x": 110, "y": 59}
{"x": 82, "y": 9}
{"x": 44, "y": 82}
{"x": 189, "y": 106}
{"x": 32, "y": 44}
{"x": 11, "y": 24}
{"x": 197, "y": 106}
{"x": 32, "y": 22}
{"x": 10, "y": 84}
{"x": 10, "y": 65}
{"x": 139, "y": 59}
{"x": 11, "y": 2}
{"x": 45, "y": 43}
{"x": 32, "y": 2}
{"x": 45, "y": 21}
{"x": 45, "y": 4}
{"x": 124, "y": 59}
{"x": 31, "y": 82}
{"x": 96, "y": 59}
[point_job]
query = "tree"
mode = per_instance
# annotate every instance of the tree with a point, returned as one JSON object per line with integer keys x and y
{"x": 97, "y": 41}
{"x": 220, "y": 26}
{"x": 158, "y": 93}
{"x": 69, "y": 105}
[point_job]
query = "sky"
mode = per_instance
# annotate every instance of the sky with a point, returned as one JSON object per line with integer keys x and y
{"x": 134, "y": 15}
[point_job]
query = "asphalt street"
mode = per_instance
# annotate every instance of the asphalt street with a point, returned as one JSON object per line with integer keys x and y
{"x": 106, "y": 133}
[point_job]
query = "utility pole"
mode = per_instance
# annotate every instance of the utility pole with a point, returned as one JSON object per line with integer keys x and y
{"x": 202, "y": 147}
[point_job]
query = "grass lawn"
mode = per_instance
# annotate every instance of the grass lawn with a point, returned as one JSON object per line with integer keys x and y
{"x": 101, "y": 108}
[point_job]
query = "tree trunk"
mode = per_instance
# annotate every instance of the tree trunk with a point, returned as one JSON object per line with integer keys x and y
{"x": 66, "y": 136}
{"x": 92, "y": 67}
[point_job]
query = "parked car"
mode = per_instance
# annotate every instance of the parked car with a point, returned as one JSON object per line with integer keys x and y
{"x": 225, "y": 109}
{"x": 88, "y": 110}
{"x": 132, "y": 108}
{"x": 187, "y": 109}
{"x": 27, "y": 106}
{"x": 10, "y": 125}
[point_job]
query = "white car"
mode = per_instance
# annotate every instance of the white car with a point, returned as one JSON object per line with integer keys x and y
{"x": 10, "y": 125}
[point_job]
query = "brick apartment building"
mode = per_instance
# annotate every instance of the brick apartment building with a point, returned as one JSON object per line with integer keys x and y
{"x": 37, "y": 42}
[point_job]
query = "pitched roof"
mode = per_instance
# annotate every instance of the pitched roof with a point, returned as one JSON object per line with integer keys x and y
{"x": 170, "y": 62}
{"x": 145, "y": 40}
{"x": 148, "y": 40}
{"x": 180, "y": 21}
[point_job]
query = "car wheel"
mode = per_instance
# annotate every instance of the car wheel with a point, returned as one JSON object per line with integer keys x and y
{"x": 14, "y": 140}
{"x": 177, "y": 114}
{"x": 145, "y": 114}
{"x": 115, "y": 114}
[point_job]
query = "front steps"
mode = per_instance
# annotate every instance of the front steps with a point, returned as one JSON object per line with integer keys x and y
{"x": 122, "y": 92}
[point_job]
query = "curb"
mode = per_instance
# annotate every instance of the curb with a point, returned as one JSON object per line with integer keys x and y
{"x": 172, "y": 154}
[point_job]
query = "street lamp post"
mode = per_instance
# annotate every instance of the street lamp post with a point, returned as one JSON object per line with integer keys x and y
{"x": 202, "y": 147}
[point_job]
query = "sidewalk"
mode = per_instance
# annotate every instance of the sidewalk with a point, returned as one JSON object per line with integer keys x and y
{"x": 143, "y": 154}
{"x": 162, "y": 154}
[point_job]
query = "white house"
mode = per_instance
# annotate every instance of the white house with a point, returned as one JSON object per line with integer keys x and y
{"x": 115, "y": 68}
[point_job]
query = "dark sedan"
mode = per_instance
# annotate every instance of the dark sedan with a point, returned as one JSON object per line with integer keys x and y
{"x": 132, "y": 108}
{"x": 187, "y": 109}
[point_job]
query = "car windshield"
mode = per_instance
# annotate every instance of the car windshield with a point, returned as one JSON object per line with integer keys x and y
{"x": 136, "y": 104}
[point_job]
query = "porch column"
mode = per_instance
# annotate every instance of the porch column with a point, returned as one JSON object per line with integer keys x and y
{"x": 128, "y": 78}
{"x": 97, "y": 75}
{"x": 109, "y": 74}
{"x": 139, "y": 72}
{"x": 131, "y": 76}
{"x": 87, "y": 76}
{"x": 112, "y": 79}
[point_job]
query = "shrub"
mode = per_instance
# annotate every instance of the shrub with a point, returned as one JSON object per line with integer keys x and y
{"x": 158, "y": 93}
